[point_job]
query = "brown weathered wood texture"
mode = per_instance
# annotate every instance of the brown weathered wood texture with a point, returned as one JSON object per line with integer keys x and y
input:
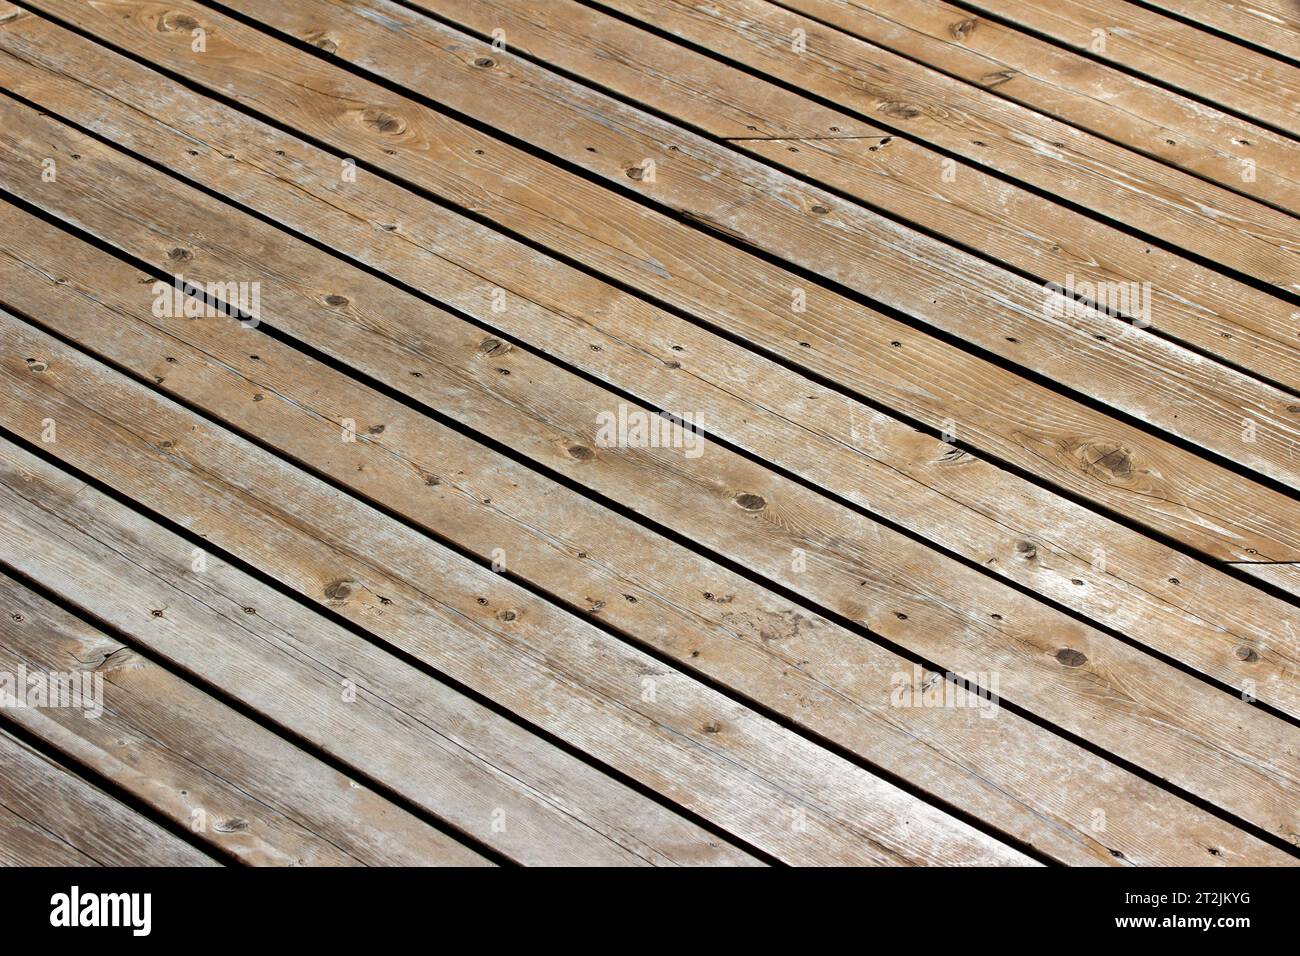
{"x": 653, "y": 590}
{"x": 1101, "y": 458}
{"x": 51, "y": 817}
{"x": 368, "y": 582}
{"x": 910, "y": 588}
{"x": 254, "y": 796}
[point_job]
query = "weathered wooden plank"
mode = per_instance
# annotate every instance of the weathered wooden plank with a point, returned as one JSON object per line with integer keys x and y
{"x": 699, "y": 748}
{"x": 1105, "y": 179}
{"x": 963, "y": 620}
{"x": 1285, "y": 576}
{"x": 653, "y": 590}
{"x": 210, "y": 770}
{"x": 1162, "y": 598}
{"x": 51, "y": 817}
{"x": 1126, "y": 367}
{"x": 517, "y": 97}
{"x": 24, "y": 844}
{"x": 438, "y": 748}
{"x": 1153, "y": 120}
{"x": 1127, "y": 471}
{"x": 1193, "y": 304}
{"x": 1157, "y": 46}
{"x": 1271, "y": 24}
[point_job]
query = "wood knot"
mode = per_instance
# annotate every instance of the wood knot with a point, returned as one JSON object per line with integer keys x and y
{"x": 339, "y": 590}
{"x": 493, "y": 346}
{"x": 1027, "y": 550}
{"x": 1105, "y": 460}
{"x": 750, "y": 502}
{"x": 36, "y": 365}
{"x": 712, "y": 727}
{"x": 484, "y": 62}
{"x": 636, "y": 172}
{"x": 382, "y": 122}
{"x": 118, "y": 658}
{"x": 172, "y": 22}
{"x": 507, "y": 615}
{"x": 1244, "y": 653}
{"x": 1071, "y": 658}
{"x": 996, "y": 78}
{"x": 322, "y": 41}
{"x": 1119, "y": 462}
{"x": 336, "y": 300}
{"x": 900, "y": 110}
{"x": 963, "y": 28}
{"x": 179, "y": 255}
{"x": 580, "y": 453}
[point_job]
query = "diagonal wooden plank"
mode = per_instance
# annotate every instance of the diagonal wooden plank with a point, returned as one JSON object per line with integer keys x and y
{"x": 1159, "y": 47}
{"x": 515, "y": 791}
{"x": 1285, "y": 576}
{"x": 969, "y": 123}
{"x": 1172, "y": 603}
{"x": 1105, "y": 178}
{"x": 51, "y": 817}
{"x": 943, "y": 611}
{"x": 210, "y": 770}
{"x": 1188, "y": 302}
{"x": 25, "y": 844}
{"x": 1095, "y": 456}
{"x": 1273, "y": 25}
{"x": 650, "y": 589}
{"x": 1236, "y": 154}
{"x": 441, "y": 750}
{"x": 699, "y": 748}
{"x": 1124, "y": 366}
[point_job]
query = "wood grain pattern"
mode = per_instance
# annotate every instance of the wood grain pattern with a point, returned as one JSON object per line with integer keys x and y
{"x": 653, "y": 590}
{"x": 1189, "y": 302}
{"x": 419, "y": 607}
{"x": 947, "y": 613}
{"x": 1022, "y": 424}
{"x": 768, "y": 786}
{"x": 1106, "y": 179}
{"x": 1273, "y": 25}
{"x": 1126, "y": 367}
{"x": 450, "y": 756}
{"x": 1172, "y": 52}
{"x": 1161, "y": 598}
{"x": 255, "y": 797}
{"x": 1236, "y": 154}
{"x": 51, "y": 817}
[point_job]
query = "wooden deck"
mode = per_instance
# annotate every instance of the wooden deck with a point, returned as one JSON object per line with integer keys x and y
{"x": 924, "y": 562}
